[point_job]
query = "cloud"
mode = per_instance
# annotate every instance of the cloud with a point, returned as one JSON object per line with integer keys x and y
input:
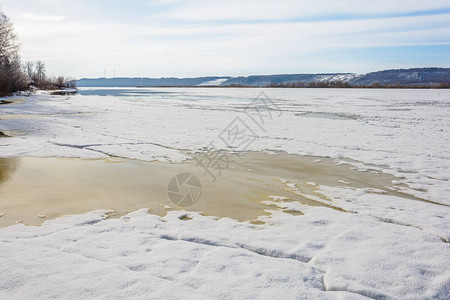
{"x": 213, "y": 10}
{"x": 35, "y": 17}
{"x": 185, "y": 38}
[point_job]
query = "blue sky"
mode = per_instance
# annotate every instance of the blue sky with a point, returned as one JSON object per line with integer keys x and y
{"x": 183, "y": 38}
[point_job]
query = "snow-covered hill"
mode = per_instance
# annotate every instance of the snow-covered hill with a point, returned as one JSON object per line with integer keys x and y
{"x": 422, "y": 76}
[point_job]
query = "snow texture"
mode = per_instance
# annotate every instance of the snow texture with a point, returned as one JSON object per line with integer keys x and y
{"x": 323, "y": 254}
{"x": 381, "y": 246}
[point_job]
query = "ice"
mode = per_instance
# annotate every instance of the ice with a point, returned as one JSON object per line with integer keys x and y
{"x": 403, "y": 132}
{"x": 376, "y": 245}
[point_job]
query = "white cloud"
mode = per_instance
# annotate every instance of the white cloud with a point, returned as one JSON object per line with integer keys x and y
{"x": 93, "y": 38}
{"x": 211, "y": 10}
{"x": 35, "y": 17}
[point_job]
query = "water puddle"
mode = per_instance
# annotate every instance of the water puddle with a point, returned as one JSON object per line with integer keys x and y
{"x": 33, "y": 190}
{"x": 12, "y": 101}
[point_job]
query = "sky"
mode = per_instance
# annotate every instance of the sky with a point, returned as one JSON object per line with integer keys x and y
{"x": 188, "y": 38}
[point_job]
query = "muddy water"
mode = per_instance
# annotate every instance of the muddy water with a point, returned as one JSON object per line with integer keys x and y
{"x": 12, "y": 101}
{"x": 33, "y": 190}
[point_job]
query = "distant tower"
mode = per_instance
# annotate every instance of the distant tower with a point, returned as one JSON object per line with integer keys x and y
{"x": 105, "y": 73}
{"x": 114, "y": 73}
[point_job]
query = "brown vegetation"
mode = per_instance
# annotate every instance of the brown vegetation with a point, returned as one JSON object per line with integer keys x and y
{"x": 344, "y": 84}
{"x": 38, "y": 78}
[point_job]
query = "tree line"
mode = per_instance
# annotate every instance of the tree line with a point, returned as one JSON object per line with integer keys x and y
{"x": 15, "y": 76}
{"x": 35, "y": 72}
{"x": 344, "y": 84}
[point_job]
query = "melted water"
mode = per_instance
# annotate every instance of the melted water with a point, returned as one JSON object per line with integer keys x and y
{"x": 33, "y": 190}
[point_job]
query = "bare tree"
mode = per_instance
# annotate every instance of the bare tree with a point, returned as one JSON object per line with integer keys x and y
{"x": 29, "y": 69}
{"x": 16, "y": 77}
{"x": 70, "y": 82}
{"x": 60, "y": 81}
{"x": 9, "y": 46}
{"x": 12, "y": 78}
{"x": 40, "y": 70}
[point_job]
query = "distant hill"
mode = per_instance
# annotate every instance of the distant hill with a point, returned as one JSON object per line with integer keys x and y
{"x": 423, "y": 76}
{"x": 404, "y": 77}
{"x": 265, "y": 80}
{"x": 133, "y": 82}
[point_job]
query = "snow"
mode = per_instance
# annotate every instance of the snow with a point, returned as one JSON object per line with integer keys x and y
{"x": 340, "y": 77}
{"x": 432, "y": 218}
{"x": 318, "y": 255}
{"x": 215, "y": 82}
{"x": 322, "y": 254}
{"x": 379, "y": 246}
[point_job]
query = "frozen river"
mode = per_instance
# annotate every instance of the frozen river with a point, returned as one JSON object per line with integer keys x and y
{"x": 339, "y": 193}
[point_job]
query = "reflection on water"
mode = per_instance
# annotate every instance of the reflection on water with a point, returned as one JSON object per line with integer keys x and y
{"x": 7, "y": 168}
